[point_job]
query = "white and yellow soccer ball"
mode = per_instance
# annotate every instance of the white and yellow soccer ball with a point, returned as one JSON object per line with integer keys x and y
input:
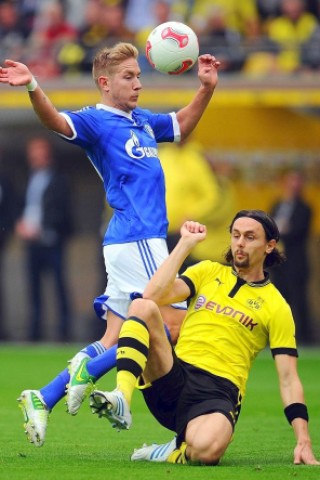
{"x": 172, "y": 48}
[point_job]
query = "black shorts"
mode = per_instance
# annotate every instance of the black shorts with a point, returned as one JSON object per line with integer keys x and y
{"x": 187, "y": 392}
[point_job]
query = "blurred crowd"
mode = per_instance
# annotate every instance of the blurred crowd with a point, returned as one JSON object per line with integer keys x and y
{"x": 256, "y": 37}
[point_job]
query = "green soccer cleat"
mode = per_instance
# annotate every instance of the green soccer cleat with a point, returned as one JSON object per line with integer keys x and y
{"x": 113, "y": 406}
{"x": 81, "y": 383}
{"x": 36, "y": 415}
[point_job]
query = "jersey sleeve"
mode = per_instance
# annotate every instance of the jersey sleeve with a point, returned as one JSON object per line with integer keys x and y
{"x": 282, "y": 332}
{"x": 193, "y": 276}
{"x": 85, "y": 127}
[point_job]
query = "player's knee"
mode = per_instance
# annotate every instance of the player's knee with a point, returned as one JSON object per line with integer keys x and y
{"x": 207, "y": 455}
{"x": 143, "y": 308}
{"x": 206, "y": 458}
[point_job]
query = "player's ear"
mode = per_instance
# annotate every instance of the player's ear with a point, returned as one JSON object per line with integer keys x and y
{"x": 271, "y": 245}
{"x": 103, "y": 83}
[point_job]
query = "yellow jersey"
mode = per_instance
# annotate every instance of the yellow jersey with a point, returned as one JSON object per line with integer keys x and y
{"x": 229, "y": 322}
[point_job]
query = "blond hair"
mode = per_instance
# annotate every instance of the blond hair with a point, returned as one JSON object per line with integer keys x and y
{"x": 109, "y": 57}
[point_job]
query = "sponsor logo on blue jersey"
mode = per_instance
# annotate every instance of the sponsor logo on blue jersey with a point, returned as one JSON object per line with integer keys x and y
{"x": 135, "y": 150}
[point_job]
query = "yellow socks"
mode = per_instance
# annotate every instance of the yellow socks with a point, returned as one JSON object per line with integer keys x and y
{"x": 132, "y": 353}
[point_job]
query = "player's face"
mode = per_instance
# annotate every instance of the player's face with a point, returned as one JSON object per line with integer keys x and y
{"x": 124, "y": 85}
{"x": 249, "y": 245}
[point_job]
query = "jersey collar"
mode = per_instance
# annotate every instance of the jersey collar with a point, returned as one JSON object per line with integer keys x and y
{"x": 260, "y": 283}
{"x": 117, "y": 111}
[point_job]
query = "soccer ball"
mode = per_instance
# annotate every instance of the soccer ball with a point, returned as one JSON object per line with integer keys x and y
{"x": 172, "y": 48}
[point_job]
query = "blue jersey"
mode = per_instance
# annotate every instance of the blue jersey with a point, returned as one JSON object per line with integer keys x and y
{"x": 123, "y": 149}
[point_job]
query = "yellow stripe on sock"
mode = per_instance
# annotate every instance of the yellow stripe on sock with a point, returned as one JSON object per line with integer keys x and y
{"x": 135, "y": 329}
{"x": 132, "y": 352}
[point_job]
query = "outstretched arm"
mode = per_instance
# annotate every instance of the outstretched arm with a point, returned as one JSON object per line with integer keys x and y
{"x": 17, "y": 74}
{"x": 164, "y": 287}
{"x": 189, "y": 116}
{"x": 292, "y": 396}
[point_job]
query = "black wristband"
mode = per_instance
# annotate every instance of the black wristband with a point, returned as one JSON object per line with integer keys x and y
{"x": 296, "y": 410}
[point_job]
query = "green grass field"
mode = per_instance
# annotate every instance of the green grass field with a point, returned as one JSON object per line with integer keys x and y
{"x": 85, "y": 447}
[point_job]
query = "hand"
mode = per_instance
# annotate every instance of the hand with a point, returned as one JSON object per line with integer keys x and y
{"x": 303, "y": 454}
{"x": 208, "y": 70}
{"x": 194, "y": 231}
{"x": 15, "y": 73}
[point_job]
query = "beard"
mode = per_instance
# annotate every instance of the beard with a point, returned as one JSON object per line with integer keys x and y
{"x": 244, "y": 263}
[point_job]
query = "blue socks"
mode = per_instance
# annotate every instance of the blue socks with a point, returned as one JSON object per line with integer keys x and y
{"x": 103, "y": 360}
{"x": 56, "y": 389}
{"x": 94, "y": 349}
{"x": 103, "y": 363}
